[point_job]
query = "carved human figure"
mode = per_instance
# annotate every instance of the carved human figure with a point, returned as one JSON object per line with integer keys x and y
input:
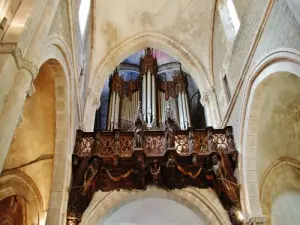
{"x": 169, "y": 133}
{"x": 82, "y": 189}
{"x": 225, "y": 181}
{"x": 89, "y": 176}
{"x": 229, "y": 138}
{"x": 140, "y": 171}
{"x": 138, "y": 134}
{"x": 210, "y": 142}
{"x": 155, "y": 172}
{"x": 171, "y": 166}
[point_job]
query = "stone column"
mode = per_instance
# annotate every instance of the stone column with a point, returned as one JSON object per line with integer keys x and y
{"x": 12, "y": 111}
{"x": 91, "y": 105}
{"x": 10, "y": 62}
{"x": 210, "y": 104}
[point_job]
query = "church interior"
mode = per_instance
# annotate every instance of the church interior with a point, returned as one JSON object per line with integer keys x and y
{"x": 167, "y": 112}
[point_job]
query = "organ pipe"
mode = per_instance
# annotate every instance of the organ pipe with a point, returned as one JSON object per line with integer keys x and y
{"x": 187, "y": 110}
{"x": 153, "y": 100}
{"x": 144, "y": 96}
{"x": 148, "y": 98}
{"x": 154, "y": 93}
{"x": 180, "y": 112}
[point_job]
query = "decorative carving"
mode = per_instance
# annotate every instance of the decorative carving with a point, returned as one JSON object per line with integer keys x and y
{"x": 226, "y": 185}
{"x": 155, "y": 172}
{"x": 139, "y": 128}
{"x": 200, "y": 142}
{"x": 85, "y": 148}
{"x": 83, "y": 186}
{"x": 169, "y": 132}
{"x": 171, "y": 159}
{"x": 182, "y": 144}
{"x": 148, "y": 62}
{"x": 22, "y": 63}
{"x": 154, "y": 145}
{"x": 140, "y": 171}
{"x": 204, "y": 100}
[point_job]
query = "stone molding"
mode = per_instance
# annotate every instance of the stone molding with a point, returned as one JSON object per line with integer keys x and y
{"x": 22, "y": 63}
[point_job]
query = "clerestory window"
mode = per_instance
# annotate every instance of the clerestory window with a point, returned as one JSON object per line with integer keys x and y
{"x": 84, "y": 10}
{"x": 229, "y": 18}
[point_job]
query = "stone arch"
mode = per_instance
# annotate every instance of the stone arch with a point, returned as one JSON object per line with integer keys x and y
{"x": 280, "y": 60}
{"x": 22, "y": 185}
{"x": 189, "y": 60}
{"x": 57, "y": 57}
{"x": 277, "y": 180}
{"x": 204, "y": 202}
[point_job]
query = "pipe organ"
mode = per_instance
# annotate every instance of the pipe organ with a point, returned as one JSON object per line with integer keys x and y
{"x": 154, "y": 93}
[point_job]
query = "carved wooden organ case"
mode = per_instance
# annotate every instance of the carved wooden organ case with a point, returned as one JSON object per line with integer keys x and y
{"x": 154, "y": 94}
{"x": 149, "y": 141}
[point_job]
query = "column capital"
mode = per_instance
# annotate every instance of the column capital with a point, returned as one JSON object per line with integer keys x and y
{"x": 205, "y": 98}
{"x": 96, "y": 102}
{"x": 95, "y": 99}
{"x": 257, "y": 220}
{"x": 22, "y": 62}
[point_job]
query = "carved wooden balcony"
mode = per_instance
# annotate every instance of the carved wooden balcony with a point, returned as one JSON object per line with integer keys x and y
{"x": 114, "y": 160}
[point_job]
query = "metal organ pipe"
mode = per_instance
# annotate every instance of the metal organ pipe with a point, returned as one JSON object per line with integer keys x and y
{"x": 144, "y": 96}
{"x": 183, "y": 109}
{"x": 117, "y": 110}
{"x": 109, "y": 112}
{"x": 153, "y": 90}
{"x": 148, "y": 98}
{"x": 113, "y": 111}
{"x": 187, "y": 110}
{"x": 180, "y": 111}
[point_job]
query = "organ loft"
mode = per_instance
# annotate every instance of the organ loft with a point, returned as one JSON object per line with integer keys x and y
{"x": 146, "y": 138}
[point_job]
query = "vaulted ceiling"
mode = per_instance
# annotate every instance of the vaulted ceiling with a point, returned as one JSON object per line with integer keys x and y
{"x": 186, "y": 21}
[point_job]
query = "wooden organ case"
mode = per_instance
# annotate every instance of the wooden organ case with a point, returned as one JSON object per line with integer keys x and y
{"x": 149, "y": 141}
{"x": 153, "y": 93}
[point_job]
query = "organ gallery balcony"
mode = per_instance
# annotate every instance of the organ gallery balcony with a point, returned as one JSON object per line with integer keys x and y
{"x": 169, "y": 158}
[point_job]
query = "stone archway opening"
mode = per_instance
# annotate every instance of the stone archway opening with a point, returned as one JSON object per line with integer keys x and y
{"x": 202, "y": 205}
{"x": 278, "y": 139}
{"x": 167, "y": 74}
{"x": 281, "y": 67}
{"x": 271, "y": 140}
{"x": 13, "y": 210}
{"x": 33, "y": 145}
{"x": 40, "y": 143}
{"x": 148, "y": 211}
{"x": 138, "y": 42}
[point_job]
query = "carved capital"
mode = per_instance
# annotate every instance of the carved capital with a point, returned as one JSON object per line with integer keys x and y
{"x": 258, "y": 220}
{"x": 22, "y": 63}
{"x": 205, "y": 98}
{"x": 96, "y": 101}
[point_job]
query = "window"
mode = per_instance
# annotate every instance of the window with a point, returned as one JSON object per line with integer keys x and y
{"x": 229, "y": 18}
{"x": 226, "y": 86}
{"x": 84, "y": 9}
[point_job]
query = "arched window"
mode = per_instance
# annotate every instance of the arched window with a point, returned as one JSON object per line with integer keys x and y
{"x": 229, "y": 18}
{"x": 84, "y": 10}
